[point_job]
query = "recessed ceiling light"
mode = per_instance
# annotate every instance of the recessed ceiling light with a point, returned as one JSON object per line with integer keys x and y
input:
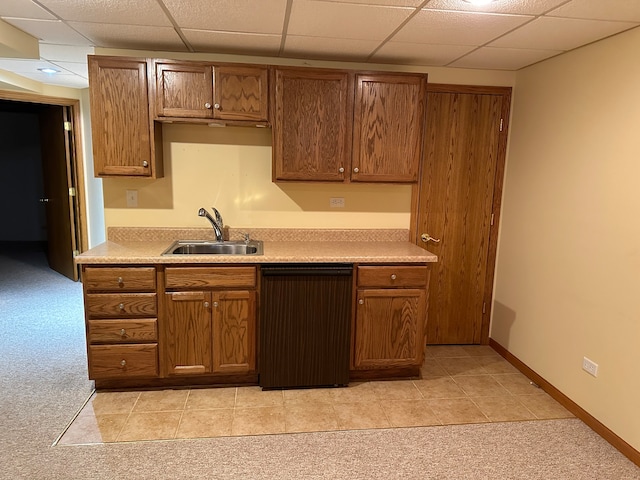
{"x": 50, "y": 71}
{"x": 479, "y": 2}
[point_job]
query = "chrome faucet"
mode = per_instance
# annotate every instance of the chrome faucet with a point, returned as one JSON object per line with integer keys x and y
{"x": 217, "y": 224}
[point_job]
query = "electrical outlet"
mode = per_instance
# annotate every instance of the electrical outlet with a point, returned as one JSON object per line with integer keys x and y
{"x": 132, "y": 198}
{"x": 336, "y": 202}
{"x": 590, "y": 366}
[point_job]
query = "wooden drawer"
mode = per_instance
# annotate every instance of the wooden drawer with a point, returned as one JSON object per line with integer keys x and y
{"x": 389, "y": 276}
{"x": 123, "y": 305}
{"x": 119, "y": 279}
{"x": 123, "y": 331}
{"x": 118, "y": 361}
{"x": 202, "y": 277}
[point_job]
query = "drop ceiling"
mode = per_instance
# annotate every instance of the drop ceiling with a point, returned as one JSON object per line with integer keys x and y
{"x": 504, "y": 35}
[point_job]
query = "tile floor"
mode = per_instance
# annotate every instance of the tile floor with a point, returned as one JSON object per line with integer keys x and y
{"x": 459, "y": 384}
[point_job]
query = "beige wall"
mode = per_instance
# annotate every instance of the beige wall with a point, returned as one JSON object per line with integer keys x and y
{"x": 568, "y": 272}
{"x": 230, "y": 168}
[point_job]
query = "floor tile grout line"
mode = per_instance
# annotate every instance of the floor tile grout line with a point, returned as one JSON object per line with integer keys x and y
{"x": 124, "y": 424}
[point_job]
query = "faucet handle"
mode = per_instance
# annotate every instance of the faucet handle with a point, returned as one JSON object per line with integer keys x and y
{"x": 218, "y": 217}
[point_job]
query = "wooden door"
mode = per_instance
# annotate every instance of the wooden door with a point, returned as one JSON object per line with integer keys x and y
{"x": 240, "y": 93}
{"x": 459, "y": 195}
{"x": 234, "y": 336}
{"x": 388, "y": 127}
{"x": 122, "y": 143}
{"x": 59, "y": 190}
{"x": 312, "y": 125}
{"x": 187, "y": 328}
{"x": 184, "y": 90}
{"x": 389, "y": 328}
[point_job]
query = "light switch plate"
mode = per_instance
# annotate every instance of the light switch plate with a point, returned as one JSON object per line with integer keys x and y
{"x": 132, "y": 198}
{"x": 336, "y": 202}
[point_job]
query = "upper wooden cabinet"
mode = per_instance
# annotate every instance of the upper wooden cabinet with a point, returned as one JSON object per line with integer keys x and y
{"x": 388, "y": 127}
{"x": 327, "y": 129}
{"x": 312, "y": 125}
{"x": 125, "y": 140}
{"x": 203, "y": 90}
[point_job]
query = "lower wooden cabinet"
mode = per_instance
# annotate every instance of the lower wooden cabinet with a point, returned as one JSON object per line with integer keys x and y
{"x": 389, "y": 325}
{"x": 210, "y": 331}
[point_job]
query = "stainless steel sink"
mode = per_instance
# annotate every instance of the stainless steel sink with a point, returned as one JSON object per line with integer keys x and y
{"x": 206, "y": 247}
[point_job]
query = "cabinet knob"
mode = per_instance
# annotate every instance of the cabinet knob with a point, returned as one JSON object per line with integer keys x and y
{"x": 356, "y": 170}
{"x": 145, "y": 164}
{"x": 361, "y": 302}
{"x": 207, "y": 105}
{"x": 123, "y": 333}
{"x": 216, "y": 106}
{"x": 206, "y": 304}
{"x": 215, "y": 304}
{"x": 121, "y": 306}
{"x": 120, "y": 281}
{"x": 393, "y": 276}
{"x": 341, "y": 169}
{"x": 123, "y": 363}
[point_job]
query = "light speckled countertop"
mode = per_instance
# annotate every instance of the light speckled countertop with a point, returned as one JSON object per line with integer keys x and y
{"x": 145, "y": 246}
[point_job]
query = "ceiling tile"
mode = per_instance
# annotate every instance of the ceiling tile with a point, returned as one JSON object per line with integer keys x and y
{"x": 503, "y": 58}
{"x": 24, "y": 66}
{"x": 390, "y": 3}
{"x": 73, "y": 81}
{"x": 419, "y": 53}
{"x": 457, "y": 28}
{"x": 81, "y": 69}
{"x": 131, "y": 12}
{"x": 559, "y": 33}
{"x": 345, "y": 20}
{"x": 23, "y": 9}
{"x": 65, "y": 53}
{"x": 233, "y": 42}
{"x": 49, "y": 31}
{"x": 623, "y": 10}
{"x": 255, "y": 16}
{"x": 324, "y": 48}
{"x": 129, "y": 36}
{"x": 526, "y": 7}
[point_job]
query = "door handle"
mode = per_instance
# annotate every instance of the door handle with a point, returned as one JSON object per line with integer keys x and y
{"x": 425, "y": 237}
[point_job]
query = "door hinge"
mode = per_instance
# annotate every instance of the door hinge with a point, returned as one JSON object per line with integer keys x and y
{"x": 484, "y": 307}
{"x": 72, "y": 191}
{"x": 67, "y": 126}
{"x": 501, "y": 124}
{"x": 492, "y": 218}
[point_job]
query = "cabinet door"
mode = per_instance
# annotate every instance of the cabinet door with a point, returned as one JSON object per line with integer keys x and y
{"x": 187, "y": 335}
{"x": 388, "y": 127}
{"x": 234, "y": 337}
{"x": 184, "y": 90}
{"x": 389, "y": 328}
{"x": 312, "y": 126}
{"x": 122, "y": 143}
{"x": 240, "y": 93}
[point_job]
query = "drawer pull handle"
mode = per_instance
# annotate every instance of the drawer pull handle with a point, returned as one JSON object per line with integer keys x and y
{"x": 121, "y": 306}
{"x": 123, "y": 333}
{"x": 393, "y": 276}
{"x": 123, "y": 363}
{"x": 120, "y": 281}
{"x": 361, "y": 302}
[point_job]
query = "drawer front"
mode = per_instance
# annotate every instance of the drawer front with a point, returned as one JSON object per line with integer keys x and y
{"x": 119, "y": 279}
{"x": 201, "y": 277}
{"x": 119, "y": 361}
{"x": 123, "y": 331}
{"x": 112, "y": 305}
{"x": 392, "y": 276}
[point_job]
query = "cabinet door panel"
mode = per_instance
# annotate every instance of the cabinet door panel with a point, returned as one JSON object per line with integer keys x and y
{"x": 184, "y": 90}
{"x": 240, "y": 93}
{"x": 389, "y": 328}
{"x": 388, "y": 128}
{"x": 121, "y": 129}
{"x": 312, "y": 127}
{"x": 234, "y": 332}
{"x": 187, "y": 333}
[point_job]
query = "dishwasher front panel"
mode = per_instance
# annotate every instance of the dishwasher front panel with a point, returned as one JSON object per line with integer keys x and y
{"x": 305, "y": 316}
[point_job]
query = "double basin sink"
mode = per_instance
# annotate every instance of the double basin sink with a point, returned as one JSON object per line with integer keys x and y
{"x": 208, "y": 247}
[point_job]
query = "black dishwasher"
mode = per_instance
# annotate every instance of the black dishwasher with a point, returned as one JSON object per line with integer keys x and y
{"x": 305, "y": 312}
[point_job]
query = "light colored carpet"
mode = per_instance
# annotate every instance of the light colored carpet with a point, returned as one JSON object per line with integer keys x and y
{"x": 43, "y": 382}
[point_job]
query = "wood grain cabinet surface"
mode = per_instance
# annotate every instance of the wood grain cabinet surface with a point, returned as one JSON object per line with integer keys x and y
{"x": 121, "y": 322}
{"x": 207, "y": 91}
{"x": 125, "y": 140}
{"x": 389, "y": 326}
